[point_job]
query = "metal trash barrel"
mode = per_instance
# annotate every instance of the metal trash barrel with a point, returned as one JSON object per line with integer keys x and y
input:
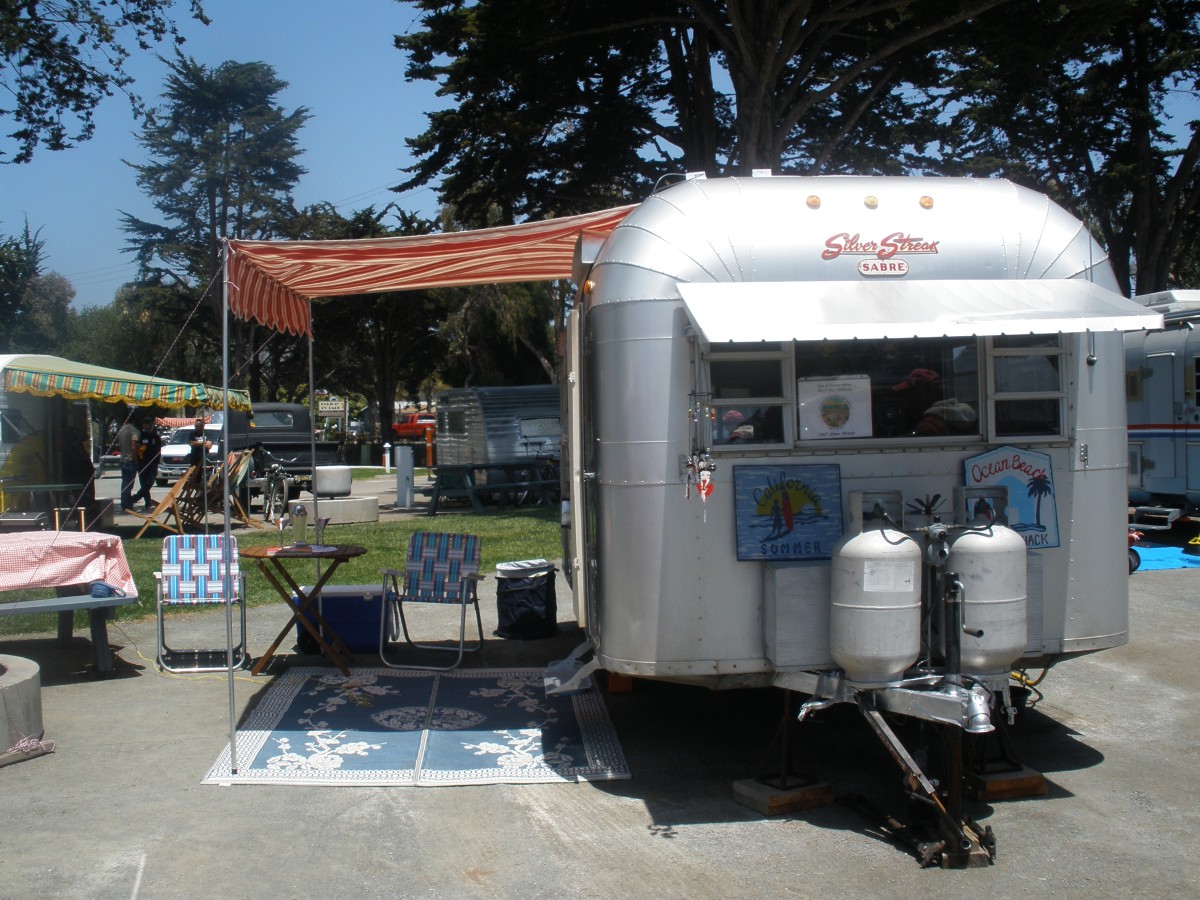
{"x": 526, "y": 608}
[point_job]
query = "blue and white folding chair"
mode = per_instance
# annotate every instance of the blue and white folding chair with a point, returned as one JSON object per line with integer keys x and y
{"x": 439, "y": 568}
{"x": 193, "y": 575}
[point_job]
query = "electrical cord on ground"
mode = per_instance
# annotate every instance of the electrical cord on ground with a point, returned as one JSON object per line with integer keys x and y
{"x": 197, "y": 676}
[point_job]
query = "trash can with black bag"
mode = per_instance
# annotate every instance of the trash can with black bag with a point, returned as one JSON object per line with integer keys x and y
{"x": 526, "y": 608}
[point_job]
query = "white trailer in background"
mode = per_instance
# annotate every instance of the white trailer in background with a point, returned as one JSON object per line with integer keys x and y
{"x": 498, "y": 424}
{"x": 1162, "y": 369}
{"x": 859, "y": 438}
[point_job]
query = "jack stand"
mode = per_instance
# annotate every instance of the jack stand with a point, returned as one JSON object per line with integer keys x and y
{"x": 960, "y": 843}
{"x": 783, "y": 791}
{"x": 1000, "y": 776}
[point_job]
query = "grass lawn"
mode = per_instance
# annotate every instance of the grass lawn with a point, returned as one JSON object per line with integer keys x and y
{"x": 532, "y": 533}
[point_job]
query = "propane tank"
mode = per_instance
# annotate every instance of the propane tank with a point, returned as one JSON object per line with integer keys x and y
{"x": 989, "y": 560}
{"x": 875, "y": 618}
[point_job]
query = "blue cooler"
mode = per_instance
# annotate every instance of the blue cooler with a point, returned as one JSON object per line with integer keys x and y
{"x": 352, "y": 611}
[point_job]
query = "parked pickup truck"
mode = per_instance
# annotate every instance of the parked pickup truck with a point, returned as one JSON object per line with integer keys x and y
{"x": 282, "y": 433}
{"x": 412, "y": 426}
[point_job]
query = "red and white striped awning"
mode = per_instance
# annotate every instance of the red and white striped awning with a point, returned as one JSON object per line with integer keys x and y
{"x": 273, "y": 281}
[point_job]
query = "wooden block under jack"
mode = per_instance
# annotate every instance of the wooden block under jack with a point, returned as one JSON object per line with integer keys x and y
{"x": 1012, "y": 785}
{"x": 619, "y": 684}
{"x": 774, "y": 801}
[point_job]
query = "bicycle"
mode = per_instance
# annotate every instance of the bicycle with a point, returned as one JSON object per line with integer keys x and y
{"x": 275, "y": 493}
{"x": 545, "y": 468}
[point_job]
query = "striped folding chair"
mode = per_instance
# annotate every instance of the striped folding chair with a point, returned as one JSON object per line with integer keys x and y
{"x": 193, "y": 575}
{"x": 439, "y": 568}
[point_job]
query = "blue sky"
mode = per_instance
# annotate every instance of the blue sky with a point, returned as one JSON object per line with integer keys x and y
{"x": 338, "y": 59}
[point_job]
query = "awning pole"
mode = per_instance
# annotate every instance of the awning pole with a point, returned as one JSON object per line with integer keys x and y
{"x": 226, "y": 552}
{"x": 312, "y": 436}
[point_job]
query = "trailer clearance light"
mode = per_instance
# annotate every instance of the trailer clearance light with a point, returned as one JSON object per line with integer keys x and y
{"x": 871, "y": 202}
{"x": 813, "y": 201}
{"x": 926, "y": 202}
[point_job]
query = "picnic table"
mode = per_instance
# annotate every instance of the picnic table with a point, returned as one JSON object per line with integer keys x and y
{"x": 70, "y": 562}
{"x": 478, "y": 481}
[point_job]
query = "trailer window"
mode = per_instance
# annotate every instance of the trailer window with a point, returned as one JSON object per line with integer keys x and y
{"x": 1027, "y": 385}
{"x": 914, "y": 387}
{"x": 748, "y": 399}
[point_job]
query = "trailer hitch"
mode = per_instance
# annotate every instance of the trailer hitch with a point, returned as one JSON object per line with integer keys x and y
{"x": 960, "y": 843}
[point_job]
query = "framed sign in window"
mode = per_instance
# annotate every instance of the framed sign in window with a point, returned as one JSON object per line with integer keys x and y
{"x": 833, "y": 408}
{"x": 787, "y": 512}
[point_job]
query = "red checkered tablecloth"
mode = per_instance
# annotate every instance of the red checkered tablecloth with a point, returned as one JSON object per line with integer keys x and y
{"x": 59, "y": 558}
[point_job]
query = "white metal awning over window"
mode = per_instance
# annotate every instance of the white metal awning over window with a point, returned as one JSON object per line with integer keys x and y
{"x": 842, "y": 310}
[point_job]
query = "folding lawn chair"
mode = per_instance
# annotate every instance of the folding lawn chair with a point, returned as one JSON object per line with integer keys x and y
{"x": 193, "y": 575}
{"x": 168, "y": 507}
{"x": 439, "y": 568}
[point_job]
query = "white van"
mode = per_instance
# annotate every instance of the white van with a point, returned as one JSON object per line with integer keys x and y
{"x": 176, "y": 452}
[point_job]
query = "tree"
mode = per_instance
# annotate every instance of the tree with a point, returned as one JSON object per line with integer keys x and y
{"x": 1073, "y": 99}
{"x": 548, "y": 117}
{"x": 503, "y": 334}
{"x": 377, "y": 344}
{"x": 20, "y": 265}
{"x": 47, "y": 313}
{"x": 223, "y": 165}
{"x": 565, "y": 107}
{"x": 845, "y": 72}
{"x": 62, "y": 57}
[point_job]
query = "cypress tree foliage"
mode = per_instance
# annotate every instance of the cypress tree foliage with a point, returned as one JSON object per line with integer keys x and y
{"x": 62, "y": 57}
{"x": 561, "y": 108}
{"x": 20, "y": 267}
{"x": 1089, "y": 101}
{"x": 222, "y": 164}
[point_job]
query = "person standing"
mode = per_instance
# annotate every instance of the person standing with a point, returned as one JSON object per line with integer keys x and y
{"x": 128, "y": 441}
{"x": 151, "y": 449}
{"x": 200, "y": 445}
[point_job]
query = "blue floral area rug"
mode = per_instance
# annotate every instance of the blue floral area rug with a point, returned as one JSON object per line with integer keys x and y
{"x": 316, "y": 726}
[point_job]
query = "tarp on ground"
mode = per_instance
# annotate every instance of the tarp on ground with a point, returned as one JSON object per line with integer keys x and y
{"x": 273, "y": 281}
{"x": 52, "y": 376}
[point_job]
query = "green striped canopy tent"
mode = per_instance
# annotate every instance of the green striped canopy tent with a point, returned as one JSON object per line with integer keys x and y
{"x": 50, "y": 376}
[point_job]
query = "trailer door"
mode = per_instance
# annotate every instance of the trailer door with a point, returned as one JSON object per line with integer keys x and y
{"x": 577, "y": 542}
{"x": 1163, "y": 411}
{"x": 1191, "y": 419}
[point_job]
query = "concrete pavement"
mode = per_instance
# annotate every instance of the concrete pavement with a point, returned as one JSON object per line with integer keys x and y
{"x": 117, "y": 810}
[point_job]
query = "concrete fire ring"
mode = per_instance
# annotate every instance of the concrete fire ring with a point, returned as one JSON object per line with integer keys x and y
{"x": 20, "y": 708}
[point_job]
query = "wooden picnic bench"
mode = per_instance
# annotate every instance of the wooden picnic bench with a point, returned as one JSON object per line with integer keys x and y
{"x": 476, "y": 482}
{"x": 69, "y": 562}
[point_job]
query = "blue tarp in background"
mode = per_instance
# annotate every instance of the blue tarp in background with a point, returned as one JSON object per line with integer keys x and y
{"x": 1156, "y": 556}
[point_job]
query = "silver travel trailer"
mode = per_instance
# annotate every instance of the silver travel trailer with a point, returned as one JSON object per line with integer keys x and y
{"x": 1161, "y": 375}
{"x": 498, "y": 424}
{"x": 879, "y": 454}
